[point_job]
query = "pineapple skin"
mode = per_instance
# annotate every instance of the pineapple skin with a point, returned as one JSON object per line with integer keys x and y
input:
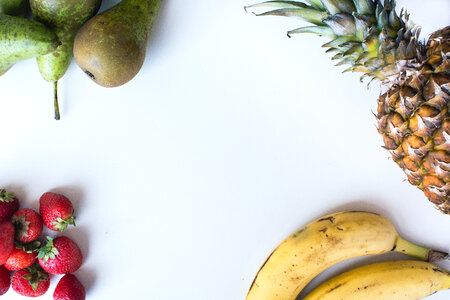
{"x": 413, "y": 118}
{"x": 413, "y": 112}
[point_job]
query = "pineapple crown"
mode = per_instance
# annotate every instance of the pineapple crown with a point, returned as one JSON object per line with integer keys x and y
{"x": 368, "y": 35}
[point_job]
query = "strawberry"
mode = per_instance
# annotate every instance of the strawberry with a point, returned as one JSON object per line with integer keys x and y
{"x": 56, "y": 211}
{"x": 5, "y": 280}
{"x": 8, "y": 205}
{"x": 60, "y": 256}
{"x": 28, "y": 224}
{"x": 23, "y": 256}
{"x": 69, "y": 288}
{"x": 6, "y": 241}
{"x": 31, "y": 282}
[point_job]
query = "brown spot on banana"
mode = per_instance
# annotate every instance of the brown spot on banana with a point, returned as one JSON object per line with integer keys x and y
{"x": 331, "y": 219}
{"x": 323, "y": 230}
{"x": 298, "y": 232}
{"x": 438, "y": 270}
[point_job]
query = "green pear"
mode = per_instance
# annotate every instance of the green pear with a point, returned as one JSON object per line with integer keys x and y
{"x": 110, "y": 48}
{"x": 21, "y": 39}
{"x": 14, "y": 7}
{"x": 64, "y": 17}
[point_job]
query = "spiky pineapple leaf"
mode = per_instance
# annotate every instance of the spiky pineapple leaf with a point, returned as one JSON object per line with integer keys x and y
{"x": 316, "y": 4}
{"x": 340, "y": 41}
{"x": 278, "y": 4}
{"x": 364, "y": 7}
{"x": 290, "y": 9}
{"x": 339, "y": 6}
{"x": 319, "y": 30}
{"x": 341, "y": 24}
{"x": 310, "y": 15}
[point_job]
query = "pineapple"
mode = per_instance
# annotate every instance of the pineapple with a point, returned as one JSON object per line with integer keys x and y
{"x": 413, "y": 108}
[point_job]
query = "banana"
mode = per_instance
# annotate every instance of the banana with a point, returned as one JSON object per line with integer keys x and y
{"x": 395, "y": 280}
{"x": 323, "y": 243}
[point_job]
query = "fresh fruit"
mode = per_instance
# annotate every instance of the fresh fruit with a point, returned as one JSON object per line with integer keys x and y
{"x": 323, "y": 243}
{"x": 60, "y": 256}
{"x": 5, "y": 280}
{"x": 8, "y": 205}
{"x": 56, "y": 211}
{"x": 28, "y": 225}
{"x": 14, "y": 7}
{"x": 69, "y": 288}
{"x": 110, "y": 48}
{"x": 399, "y": 280}
{"x": 23, "y": 38}
{"x": 413, "y": 115}
{"x": 64, "y": 17}
{"x": 31, "y": 282}
{"x": 23, "y": 256}
{"x": 6, "y": 241}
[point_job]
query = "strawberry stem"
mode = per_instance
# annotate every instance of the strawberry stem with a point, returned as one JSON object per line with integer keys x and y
{"x": 36, "y": 274}
{"x": 61, "y": 224}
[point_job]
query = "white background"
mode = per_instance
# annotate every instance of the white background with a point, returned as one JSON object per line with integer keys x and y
{"x": 231, "y": 137}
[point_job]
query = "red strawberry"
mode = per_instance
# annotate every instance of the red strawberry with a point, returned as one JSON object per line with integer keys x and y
{"x": 5, "y": 280}
{"x": 6, "y": 241}
{"x": 31, "y": 282}
{"x": 23, "y": 256}
{"x": 60, "y": 256}
{"x": 28, "y": 224}
{"x": 69, "y": 288}
{"x": 56, "y": 211}
{"x": 8, "y": 205}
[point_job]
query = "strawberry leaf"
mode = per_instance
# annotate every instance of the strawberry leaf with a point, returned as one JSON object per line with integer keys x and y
{"x": 22, "y": 225}
{"x": 61, "y": 224}
{"x": 35, "y": 275}
{"x": 28, "y": 247}
{"x": 6, "y": 197}
{"x": 34, "y": 284}
{"x": 48, "y": 251}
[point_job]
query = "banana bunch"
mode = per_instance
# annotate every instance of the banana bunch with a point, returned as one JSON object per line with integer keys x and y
{"x": 340, "y": 236}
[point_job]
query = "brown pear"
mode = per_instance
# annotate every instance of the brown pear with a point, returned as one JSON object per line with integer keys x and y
{"x": 110, "y": 48}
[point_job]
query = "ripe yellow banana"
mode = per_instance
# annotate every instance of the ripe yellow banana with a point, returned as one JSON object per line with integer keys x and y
{"x": 323, "y": 243}
{"x": 391, "y": 280}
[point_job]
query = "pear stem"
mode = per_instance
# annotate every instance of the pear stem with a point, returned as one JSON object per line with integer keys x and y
{"x": 56, "y": 105}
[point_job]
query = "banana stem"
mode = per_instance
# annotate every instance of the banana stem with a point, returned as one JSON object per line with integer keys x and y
{"x": 56, "y": 105}
{"x": 427, "y": 254}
